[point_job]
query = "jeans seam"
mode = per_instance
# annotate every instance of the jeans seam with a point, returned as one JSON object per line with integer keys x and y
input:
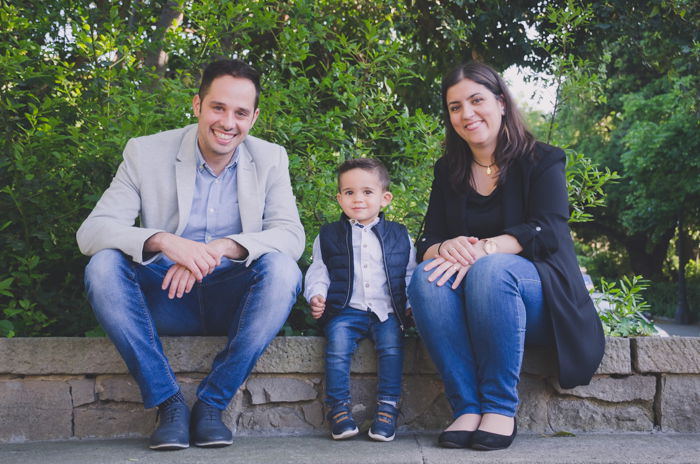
{"x": 143, "y": 308}
{"x": 243, "y": 304}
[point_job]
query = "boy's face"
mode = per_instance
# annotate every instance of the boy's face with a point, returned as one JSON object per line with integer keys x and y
{"x": 361, "y": 196}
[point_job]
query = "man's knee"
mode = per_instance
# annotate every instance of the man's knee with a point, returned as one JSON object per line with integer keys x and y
{"x": 280, "y": 269}
{"x": 103, "y": 267}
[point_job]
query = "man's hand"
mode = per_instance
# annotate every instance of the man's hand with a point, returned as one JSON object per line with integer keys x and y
{"x": 199, "y": 258}
{"x": 178, "y": 281}
{"x": 318, "y": 305}
{"x": 226, "y": 247}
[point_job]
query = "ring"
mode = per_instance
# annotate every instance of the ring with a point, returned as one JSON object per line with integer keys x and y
{"x": 455, "y": 267}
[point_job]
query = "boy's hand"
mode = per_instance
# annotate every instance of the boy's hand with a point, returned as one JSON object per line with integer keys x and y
{"x": 318, "y": 305}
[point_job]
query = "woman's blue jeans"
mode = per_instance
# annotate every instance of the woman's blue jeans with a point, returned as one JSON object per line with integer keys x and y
{"x": 247, "y": 304}
{"x": 343, "y": 333}
{"x": 476, "y": 334}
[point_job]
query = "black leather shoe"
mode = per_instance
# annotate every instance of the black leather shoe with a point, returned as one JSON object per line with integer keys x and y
{"x": 487, "y": 441}
{"x": 207, "y": 428}
{"x": 455, "y": 439}
{"x": 173, "y": 431}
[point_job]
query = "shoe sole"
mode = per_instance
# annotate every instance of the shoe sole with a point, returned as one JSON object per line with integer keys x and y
{"x": 451, "y": 444}
{"x": 170, "y": 446}
{"x": 377, "y": 437}
{"x": 479, "y": 447}
{"x": 346, "y": 434}
{"x": 213, "y": 444}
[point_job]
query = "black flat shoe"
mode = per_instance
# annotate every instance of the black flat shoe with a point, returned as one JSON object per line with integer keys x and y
{"x": 487, "y": 441}
{"x": 455, "y": 439}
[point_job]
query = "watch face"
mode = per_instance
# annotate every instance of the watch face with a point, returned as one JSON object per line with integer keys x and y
{"x": 489, "y": 247}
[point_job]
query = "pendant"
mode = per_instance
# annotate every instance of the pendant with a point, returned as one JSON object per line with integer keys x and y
{"x": 488, "y": 170}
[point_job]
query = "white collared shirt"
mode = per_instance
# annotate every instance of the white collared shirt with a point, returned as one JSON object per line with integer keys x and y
{"x": 370, "y": 290}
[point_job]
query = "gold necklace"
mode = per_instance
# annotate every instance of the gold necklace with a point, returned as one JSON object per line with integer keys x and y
{"x": 488, "y": 168}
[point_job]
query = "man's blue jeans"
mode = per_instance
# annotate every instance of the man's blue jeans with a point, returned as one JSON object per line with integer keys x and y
{"x": 343, "y": 333}
{"x": 247, "y": 304}
{"x": 476, "y": 334}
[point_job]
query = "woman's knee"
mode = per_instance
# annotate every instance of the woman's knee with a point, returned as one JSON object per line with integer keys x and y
{"x": 419, "y": 285}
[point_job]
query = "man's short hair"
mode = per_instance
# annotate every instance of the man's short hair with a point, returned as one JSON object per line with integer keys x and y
{"x": 366, "y": 164}
{"x": 233, "y": 68}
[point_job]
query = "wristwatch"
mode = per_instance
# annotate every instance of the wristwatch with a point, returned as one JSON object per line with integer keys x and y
{"x": 490, "y": 246}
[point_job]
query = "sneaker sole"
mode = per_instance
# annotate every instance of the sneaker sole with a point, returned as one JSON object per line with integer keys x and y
{"x": 213, "y": 444}
{"x": 170, "y": 446}
{"x": 346, "y": 434}
{"x": 377, "y": 437}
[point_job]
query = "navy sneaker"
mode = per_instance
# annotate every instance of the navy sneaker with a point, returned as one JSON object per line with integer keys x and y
{"x": 208, "y": 430}
{"x": 342, "y": 424}
{"x": 173, "y": 428}
{"x": 384, "y": 425}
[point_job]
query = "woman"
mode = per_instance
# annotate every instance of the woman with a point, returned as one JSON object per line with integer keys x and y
{"x": 499, "y": 268}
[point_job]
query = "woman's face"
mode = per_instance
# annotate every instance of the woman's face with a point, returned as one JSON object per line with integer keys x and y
{"x": 475, "y": 114}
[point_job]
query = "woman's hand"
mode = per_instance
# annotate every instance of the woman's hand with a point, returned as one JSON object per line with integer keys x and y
{"x": 444, "y": 269}
{"x": 460, "y": 250}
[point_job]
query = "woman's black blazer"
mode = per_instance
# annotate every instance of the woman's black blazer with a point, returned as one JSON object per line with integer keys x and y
{"x": 536, "y": 213}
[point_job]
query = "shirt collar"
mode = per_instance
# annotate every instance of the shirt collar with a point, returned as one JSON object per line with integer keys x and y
{"x": 362, "y": 226}
{"x": 202, "y": 165}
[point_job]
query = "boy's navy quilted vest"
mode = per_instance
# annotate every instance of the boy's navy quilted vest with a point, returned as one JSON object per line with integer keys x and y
{"x": 336, "y": 249}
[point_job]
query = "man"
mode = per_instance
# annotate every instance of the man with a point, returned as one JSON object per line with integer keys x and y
{"x": 214, "y": 252}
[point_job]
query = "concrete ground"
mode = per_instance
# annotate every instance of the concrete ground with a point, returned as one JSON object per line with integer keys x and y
{"x": 679, "y": 330}
{"x": 408, "y": 448}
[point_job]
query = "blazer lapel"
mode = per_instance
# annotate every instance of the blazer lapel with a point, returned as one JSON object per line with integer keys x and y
{"x": 185, "y": 175}
{"x": 248, "y": 195}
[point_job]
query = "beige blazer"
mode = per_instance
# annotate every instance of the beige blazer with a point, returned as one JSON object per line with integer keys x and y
{"x": 155, "y": 184}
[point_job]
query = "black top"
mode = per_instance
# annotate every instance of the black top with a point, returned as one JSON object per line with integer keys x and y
{"x": 536, "y": 212}
{"x": 485, "y": 213}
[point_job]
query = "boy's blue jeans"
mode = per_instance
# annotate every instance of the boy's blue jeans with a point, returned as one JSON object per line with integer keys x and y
{"x": 247, "y": 304}
{"x": 476, "y": 334}
{"x": 343, "y": 333}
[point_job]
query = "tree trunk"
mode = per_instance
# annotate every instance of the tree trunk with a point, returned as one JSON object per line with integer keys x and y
{"x": 682, "y": 315}
{"x": 170, "y": 17}
{"x": 648, "y": 263}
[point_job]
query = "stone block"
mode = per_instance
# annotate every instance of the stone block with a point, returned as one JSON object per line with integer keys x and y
{"x": 534, "y": 394}
{"x": 118, "y": 388}
{"x": 285, "y": 355}
{"x": 109, "y": 420}
{"x": 82, "y": 391}
{"x": 234, "y": 411}
{"x": 188, "y": 385}
{"x": 34, "y": 410}
{"x": 617, "y": 358}
{"x": 192, "y": 354}
{"x": 280, "y": 390}
{"x": 583, "y": 415}
{"x": 58, "y": 355}
{"x": 539, "y": 361}
{"x": 670, "y": 355}
{"x": 616, "y": 390}
{"x": 418, "y": 396}
{"x": 313, "y": 414}
{"x": 679, "y": 408}
{"x": 423, "y": 364}
{"x": 274, "y": 420}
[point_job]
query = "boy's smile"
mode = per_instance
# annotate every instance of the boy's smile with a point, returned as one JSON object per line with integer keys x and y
{"x": 361, "y": 195}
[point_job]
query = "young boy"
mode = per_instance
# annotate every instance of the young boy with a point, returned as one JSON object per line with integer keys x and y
{"x": 356, "y": 287}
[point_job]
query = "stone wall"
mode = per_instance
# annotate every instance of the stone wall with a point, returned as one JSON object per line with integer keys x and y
{"x": 65, "y": 388}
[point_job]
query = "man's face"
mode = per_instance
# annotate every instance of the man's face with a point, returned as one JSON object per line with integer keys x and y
{"x": 226, "y": 114}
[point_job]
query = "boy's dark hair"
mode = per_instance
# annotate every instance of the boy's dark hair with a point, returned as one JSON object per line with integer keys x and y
{"x": 233, "y": 68}
{"x": 366, "y": 164}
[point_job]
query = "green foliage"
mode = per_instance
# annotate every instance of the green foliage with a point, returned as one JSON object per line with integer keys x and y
{"x": 76, "y": 83}
{"x": 585, "y": 185}
{"x": 621, "y": 306}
